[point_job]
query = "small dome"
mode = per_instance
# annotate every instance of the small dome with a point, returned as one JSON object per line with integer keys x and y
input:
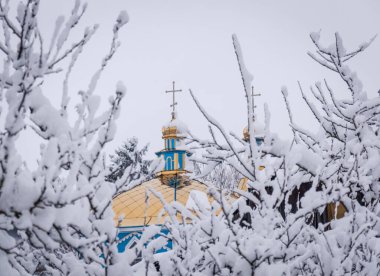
{"x": 258, "y": 130}
{"x": 178, "y": 124}
{"x": 175, "y": 128}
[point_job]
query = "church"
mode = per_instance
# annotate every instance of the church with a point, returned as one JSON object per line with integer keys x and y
{"x": 134, "y": 209}
{"x": 172, "y": 182}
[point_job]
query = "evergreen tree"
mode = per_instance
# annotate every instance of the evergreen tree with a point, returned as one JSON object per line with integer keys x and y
{"x": 129, "y": 155}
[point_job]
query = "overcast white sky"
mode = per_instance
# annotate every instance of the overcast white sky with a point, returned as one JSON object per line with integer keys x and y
{"x": 190, "y": 42}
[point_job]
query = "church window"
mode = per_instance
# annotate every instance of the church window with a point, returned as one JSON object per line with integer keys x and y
{"x": 169, "y": 163}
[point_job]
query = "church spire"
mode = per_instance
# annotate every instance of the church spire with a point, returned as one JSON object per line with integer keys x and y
{"x": 175, "y": 150}
{"x": 253, "y": 95}
{"x": 257, "y": 127}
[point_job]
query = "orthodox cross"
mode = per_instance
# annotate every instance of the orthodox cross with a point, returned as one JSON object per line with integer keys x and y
{"x": 253, "y": 95}
{"x": 174, "y": 102}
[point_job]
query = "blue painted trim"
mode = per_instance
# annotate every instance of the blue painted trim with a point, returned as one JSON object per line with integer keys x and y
{"x": 127, "y": 237}
{"x": 174, "y": 150}
{"x": 142, "y": 226}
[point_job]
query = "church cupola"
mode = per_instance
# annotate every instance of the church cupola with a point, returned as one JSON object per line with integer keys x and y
{"x": 175, "y": 152}
{"x": 258, "y": 130}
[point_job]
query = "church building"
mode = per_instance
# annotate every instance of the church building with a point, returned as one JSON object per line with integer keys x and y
{"x": 172, "y": 182}
{"x": 138, "y": 207}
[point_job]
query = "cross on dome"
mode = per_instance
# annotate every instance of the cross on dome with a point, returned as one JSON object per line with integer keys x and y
{"x": 253, "y": 99}
{"x": 174, "y": 102}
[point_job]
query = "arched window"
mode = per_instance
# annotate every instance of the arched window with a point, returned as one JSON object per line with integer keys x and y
{"x": 169, "y": 163}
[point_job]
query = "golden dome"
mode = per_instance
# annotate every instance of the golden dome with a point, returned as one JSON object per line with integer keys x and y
{"x": 175, "y": 128}
{"x": 135, "y": 211}
{"x": 169, "y": 132}
{"x": 258, "y": 130}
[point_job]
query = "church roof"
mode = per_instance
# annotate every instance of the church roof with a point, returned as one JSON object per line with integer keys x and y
{"x": 258, "y": 130}
{"x": 132, "y": 205}
{"x": 175, "y": 128}
{"x": 180, "y": 126}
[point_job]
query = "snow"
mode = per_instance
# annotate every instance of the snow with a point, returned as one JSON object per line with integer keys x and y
{"x": 340, "y": 156}
{"x": 121, "y": 89}
{"x": 258, "y": 128}
{"x": 122, "y": 19}
{"x": 246, "y": 75}
{"x": 178, "y": 124}
{"x": 197, "y": 200}
{"x": 60, "y": 214}
{"x": 315, "y": 36}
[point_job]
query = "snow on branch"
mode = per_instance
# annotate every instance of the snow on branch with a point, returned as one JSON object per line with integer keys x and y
{"x": 57, "y": 218}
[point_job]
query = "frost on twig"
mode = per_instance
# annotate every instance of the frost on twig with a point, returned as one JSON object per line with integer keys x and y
{"x": 289, "y": 221}
{"x": 56, "y": 218}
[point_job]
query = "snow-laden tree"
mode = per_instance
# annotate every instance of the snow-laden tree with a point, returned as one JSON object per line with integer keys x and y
{"x": 222, "y": 176}
{"x": 277, "y": 227}
{"x": 348, "y": 146}
{"x": 56, "y": 219}
{"x": 129, "y": 155}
